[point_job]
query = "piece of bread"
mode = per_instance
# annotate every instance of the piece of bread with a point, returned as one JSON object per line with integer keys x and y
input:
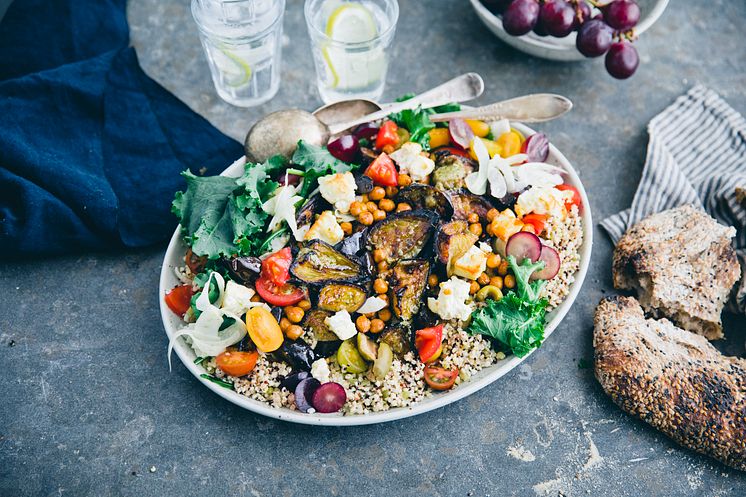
{"x": 682, "y": 265}
{"x": 672, "y": 379}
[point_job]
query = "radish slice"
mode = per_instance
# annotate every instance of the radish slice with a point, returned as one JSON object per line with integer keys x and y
{"x": 551, "y": 264}
{"x": 329, "y": 397}
{"x": 536, "y": 147}
{"x": 461, "y": 133}
{"x": 524, "y": 245}
{"x": 304, "y": 393}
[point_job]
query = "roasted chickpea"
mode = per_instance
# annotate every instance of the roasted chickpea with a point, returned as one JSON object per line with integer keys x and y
{"x": 346, "y": 227}
{"x": 509, "y": 281}
{"x": 384, "y": 297}
{"x": 483, "y": 279}
{"x": 492, "y": 214}
{"x": 294, "y": 314}
{"x": 384, "y": 315}
{"x": 476, "y": 228}
{"x": 377, "y": 193}
{"x": 403, "y": 206}
{"x": 380, "y": 285}
{"x": 378, "y": 255}
{"x": 379, "y": 215}
{"x": 363, "y": 324}
{"x": 502, "y": 269}
{"x": 356, "y": 208}
{"x": 364, "y": 198}
{"x": 383, "y": 266}
{"x": 432, "y": 280}
{"x": 497, "y": 281}
{"x": 493, "y": 260}
{"x": 473, "y": 218}
{"x": 405, "y": 180}
{"x": 474, "y": 287}
{"x": 284, "y": 324}
{"x": 304, "y": 304}
{"x": 376, "y": 325}
{"x": 372, "y": 206}
{"x": 256, "y": 298}
{"x": 489, "y": 230}
{"x": 388, "y": 149}
{"x": 365, "y": 218}
{"x": 294, "y": 332}
{"x": 387, "y": 205}
{"x": 391, "y": 191}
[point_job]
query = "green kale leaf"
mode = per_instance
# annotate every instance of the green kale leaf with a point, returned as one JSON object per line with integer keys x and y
{"x": 527, "y": 289}
{"x": 317, "y": 162}
{"x": 417, "y": 121}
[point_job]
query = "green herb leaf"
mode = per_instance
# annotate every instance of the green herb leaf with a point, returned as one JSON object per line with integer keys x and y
{"x": 417, "y": 122}
{"x": 217, "y": 381}
{"x": 317, "y": 162}
{"x": 527, "y": 289}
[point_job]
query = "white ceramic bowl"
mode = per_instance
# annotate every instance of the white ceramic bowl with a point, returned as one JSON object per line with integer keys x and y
{"x": 171, "y": 322}
{"x": 549, "y": 47}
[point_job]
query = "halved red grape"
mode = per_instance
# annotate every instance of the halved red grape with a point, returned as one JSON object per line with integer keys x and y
{"x": 622, "y": 60}
{"x": 366, "y": 130}
{"x": 622, "y": 14}
{"x": 520, "y": 17}
{"x": 304, "y": 393}
{"x": 594, "y": 38}
{"x": 557, "y": 17}
{"x": 344, "y": 148}
{"x": 461, "y": 133}
{"x": 329, "y": 397}
{"x": 536, "y": 147}
{"x": 524, "y": 245}
{"x": 551, "y": 264}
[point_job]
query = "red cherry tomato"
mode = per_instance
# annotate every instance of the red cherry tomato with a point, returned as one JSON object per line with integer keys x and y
{"x": 279, "y": 295}
{"x": 427, "y": 341}
{"x": 440, "y": 378}
{"x": 387, "y": 135}
{"x": 536, "y": 220}
{"x": 383, "y": 171}
{"x": 237, "y": 363}
{"x": 575, "y": 200}
{"x": 180, "y": 299}
{"x": 276, "y": 267}
{"x": 454, "y": 151}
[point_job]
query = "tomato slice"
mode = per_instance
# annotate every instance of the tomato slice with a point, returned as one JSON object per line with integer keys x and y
{"x": 279, "y": 295}
{"x": 180, "y": 299}
{"x": 454, "y": 151}
{"x": 536, "y": 220}
{"x": 440, "y": 378}
{"x": 575, "y": 200}
{"x": 276, "y": 267}
{"x": 427, "y": 341}
{"x": 387, "y": 135}
{"x": 237, "y": 363}
{"x": 383, "y": 171}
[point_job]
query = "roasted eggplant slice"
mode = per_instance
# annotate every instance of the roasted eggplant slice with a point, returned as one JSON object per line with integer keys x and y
{"x": 402, "y": 235}
{"x": 318, "y": 262}
{"x": 337, "y": 296}
{"x": 465, "y": 202}
{"x": 363, "y": 183}
{"x": 243, "y": 269}
{"x": 327, "y": 342}
{"x": 352, "y": 245}
{"x": 367, "y": 156}
{"x": 449, "y": 235}
{"x": 298, "y": 354}
{"x": 407, "y": 282}
{"x": 305, "y": 214}
{"x": 397, "y": 338}
{"x": 420, "y": 196}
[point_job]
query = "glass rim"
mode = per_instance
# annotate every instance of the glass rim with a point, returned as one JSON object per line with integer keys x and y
{"x": 202, "y": 28}
{"x": 322, "y": 34}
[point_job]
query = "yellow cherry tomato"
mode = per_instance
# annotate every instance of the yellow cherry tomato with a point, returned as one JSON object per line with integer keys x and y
{"x": 439, "y": 137}
{"x": 263, "y": 329}
{"x": 493, "y": 148}
{"x": 480, "y": 128}
{"x": 510, "y": 144}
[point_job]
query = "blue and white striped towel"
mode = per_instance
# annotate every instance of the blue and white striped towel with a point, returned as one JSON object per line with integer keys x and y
{"x": 696, "y": 155}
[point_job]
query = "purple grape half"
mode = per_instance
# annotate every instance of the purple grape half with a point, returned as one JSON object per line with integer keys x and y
{"x": 304, "y": 393}
{"x": 329, "y": 397}
{"x": 344, "y": 148}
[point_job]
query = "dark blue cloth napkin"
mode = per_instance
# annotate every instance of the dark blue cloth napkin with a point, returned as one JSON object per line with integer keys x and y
{"x": 90, "y": 147}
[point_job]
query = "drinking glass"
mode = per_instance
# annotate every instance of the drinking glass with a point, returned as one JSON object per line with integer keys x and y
{"x": 242, "y": 40}
{"x": 349, "y": 39}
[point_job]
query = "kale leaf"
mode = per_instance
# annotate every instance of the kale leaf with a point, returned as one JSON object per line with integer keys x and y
{"x": 527, "y": 289}
{"x": 316, "y": 162}
{"x": 417, "y": 121}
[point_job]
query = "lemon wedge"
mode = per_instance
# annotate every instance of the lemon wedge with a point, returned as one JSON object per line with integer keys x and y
{"x": 351, "y": 23}
{"x": 236, "y": 70}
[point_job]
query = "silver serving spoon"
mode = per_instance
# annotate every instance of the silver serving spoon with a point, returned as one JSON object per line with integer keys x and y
{"x": 279, "y": 132}
{"x": 535, "y": 108}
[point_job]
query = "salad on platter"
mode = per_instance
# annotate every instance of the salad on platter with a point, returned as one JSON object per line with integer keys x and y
{"x": 396, "y": 262}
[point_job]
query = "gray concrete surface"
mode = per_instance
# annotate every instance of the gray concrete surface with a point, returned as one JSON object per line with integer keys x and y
{"x": 90, "y": 409}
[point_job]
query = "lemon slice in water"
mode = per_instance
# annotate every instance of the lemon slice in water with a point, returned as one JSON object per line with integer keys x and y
{"x": 236, "y": 70}
{"x": 350, "y": 23}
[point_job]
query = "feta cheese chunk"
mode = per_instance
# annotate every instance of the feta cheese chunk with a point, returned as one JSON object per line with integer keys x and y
{"x": 451, "y": 301}
{"x": 326, "y": 228}
{"x": 237, "y": 298}
{"x": 471, "y": 264}
{"x": 339, "y": 190}
{"x": 410, "y": 161}
{"x": 506, "y": 224}
{"x": 320, "y": 370}
{"x": 341, "y": 325}
{"x": 543, "y": 200}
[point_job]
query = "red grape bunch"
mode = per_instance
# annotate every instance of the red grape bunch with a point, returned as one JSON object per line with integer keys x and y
{"x": 609, "y": 29}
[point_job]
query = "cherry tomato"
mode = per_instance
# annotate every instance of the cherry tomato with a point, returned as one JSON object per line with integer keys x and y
{"x": 383, "y": 171}
{"x": 440, "y": 378}
{"x": 276, "y": 267}
{"x": 536, "y": 220}
{"x": 237, "y": 363}
{"x": 427, "y": 341}
{"x": 387, "y": 135}
{"x": 279, "y": 295}
{"x": 196, "y": 263}
{"x": 263, "y": 328}
{"x": 575, "y": 200}
{"x": 453, "y": 151}
{"x": 179, "y": 299}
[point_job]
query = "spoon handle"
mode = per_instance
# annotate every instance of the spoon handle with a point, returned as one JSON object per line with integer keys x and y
{"x": 460, "y": 89}
{"x": 535, "y": 108}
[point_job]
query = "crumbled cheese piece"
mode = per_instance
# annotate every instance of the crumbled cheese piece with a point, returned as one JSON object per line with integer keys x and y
{"x": 506, "y": 224}
{"x": 410, "y": 160}
{"x": 326, "y": 228}
{"x": 320, "y": 370}
{"x": 237, "y": 298}
{"x": 338, "y": 189}
{"x": 471, "y": 264}
{"x": 451, "y": 301}
{"x": 341, "y": 325}
{"x": 543, "y": 200}
{"x": 485, "y": 247}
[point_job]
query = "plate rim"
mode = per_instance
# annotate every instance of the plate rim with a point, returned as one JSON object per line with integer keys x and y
{"x": 487, "y": 376}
